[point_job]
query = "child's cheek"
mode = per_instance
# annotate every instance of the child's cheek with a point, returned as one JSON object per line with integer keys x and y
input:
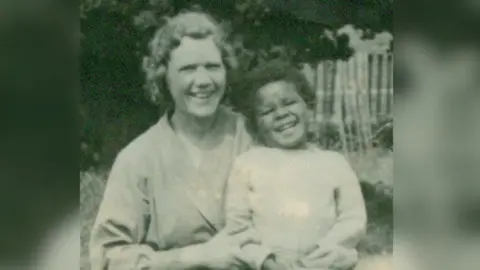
{"x": 265, "y": 126}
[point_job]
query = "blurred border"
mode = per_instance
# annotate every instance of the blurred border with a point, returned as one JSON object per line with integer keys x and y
{"x": 437, "y": 156}
{"x": 38, "y": 142}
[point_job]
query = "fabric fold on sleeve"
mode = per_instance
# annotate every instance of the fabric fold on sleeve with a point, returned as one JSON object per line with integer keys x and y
{"x": 351, "y": 222}
{"x": 122, "y": 221}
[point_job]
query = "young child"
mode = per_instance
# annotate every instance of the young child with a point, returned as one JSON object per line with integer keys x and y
{"x": 304, "y": 203}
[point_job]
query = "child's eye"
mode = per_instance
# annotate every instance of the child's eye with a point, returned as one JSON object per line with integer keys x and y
{"x": 266, "y": 112}
{"x": 290, "y": 102}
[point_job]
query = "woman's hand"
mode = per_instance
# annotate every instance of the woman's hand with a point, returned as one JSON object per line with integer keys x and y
{"x": 224, "y": 249}
{"x": 336, "y": 257}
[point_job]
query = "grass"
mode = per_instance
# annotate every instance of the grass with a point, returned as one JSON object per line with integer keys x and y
{"x": 374, "y": 169}
{"x": 92, "y": 186}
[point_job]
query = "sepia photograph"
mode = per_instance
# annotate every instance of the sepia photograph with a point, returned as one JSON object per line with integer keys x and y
{"x": 240, "y": 134}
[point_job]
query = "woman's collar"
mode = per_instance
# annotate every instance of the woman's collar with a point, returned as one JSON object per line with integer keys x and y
{"x": 220, "y": 118}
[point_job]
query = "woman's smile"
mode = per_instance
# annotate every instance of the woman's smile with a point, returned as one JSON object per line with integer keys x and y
{"x": 202, "y": 95}
{"x": 196, "y": 80}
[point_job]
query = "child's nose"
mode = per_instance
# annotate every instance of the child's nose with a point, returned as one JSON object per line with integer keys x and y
{"x": 281, "y": 113}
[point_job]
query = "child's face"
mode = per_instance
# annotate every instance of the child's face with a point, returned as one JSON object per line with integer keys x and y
{"x": 282, "y": 115}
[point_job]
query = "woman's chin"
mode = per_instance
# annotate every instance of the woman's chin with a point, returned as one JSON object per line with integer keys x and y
{"x": 204, "y": 108}
{"x": 205, "y": 112}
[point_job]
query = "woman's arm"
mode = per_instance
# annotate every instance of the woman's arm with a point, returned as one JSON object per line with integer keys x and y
{"x": 121, "y": 226}
{"x": 351, "y": 222}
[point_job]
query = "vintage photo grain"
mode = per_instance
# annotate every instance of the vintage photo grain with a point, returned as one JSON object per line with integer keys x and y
{"x": 236, "y": 135}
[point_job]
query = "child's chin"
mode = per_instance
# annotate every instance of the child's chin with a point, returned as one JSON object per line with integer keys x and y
{"x": 292, "y": 144}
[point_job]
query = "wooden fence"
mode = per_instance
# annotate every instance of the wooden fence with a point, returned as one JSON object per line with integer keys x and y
{"x": 356, "y": 96}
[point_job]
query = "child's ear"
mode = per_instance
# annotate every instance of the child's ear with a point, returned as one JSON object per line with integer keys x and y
{"x": 310, "y": 113}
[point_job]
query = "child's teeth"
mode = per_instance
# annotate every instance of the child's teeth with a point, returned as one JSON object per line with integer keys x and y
{"x": 286, "y": 126}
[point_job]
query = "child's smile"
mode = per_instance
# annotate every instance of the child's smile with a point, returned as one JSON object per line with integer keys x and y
{"x": 281, "y": 115}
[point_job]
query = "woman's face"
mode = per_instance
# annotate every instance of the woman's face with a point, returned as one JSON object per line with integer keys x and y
{"x": 282, "y": 115}
{"x": 196, "y": 77}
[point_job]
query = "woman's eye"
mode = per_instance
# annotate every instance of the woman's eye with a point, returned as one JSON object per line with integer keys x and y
{"x": 188, "y": 68}
{"x": 213, "y": 66}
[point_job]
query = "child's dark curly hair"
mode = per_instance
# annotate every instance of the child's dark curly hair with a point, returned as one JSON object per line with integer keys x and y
{"x": 246, "y": 86}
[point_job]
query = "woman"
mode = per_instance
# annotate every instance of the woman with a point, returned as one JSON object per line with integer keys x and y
{"x": 164, "y": 200}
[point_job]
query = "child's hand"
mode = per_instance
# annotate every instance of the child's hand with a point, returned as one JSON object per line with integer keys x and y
{"x": 335, "y": 257}
{"x": 314, "y": 257}
{"x": 275, "y": 262}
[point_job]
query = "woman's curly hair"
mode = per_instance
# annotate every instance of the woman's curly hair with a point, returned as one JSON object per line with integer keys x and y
{"x": 246, "y": 87}
{"x": 194, "y": 24}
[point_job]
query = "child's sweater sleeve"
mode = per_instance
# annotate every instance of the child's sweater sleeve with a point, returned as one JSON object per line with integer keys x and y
{"x": 239, "y": 214}
{"x": 351, "y": 222}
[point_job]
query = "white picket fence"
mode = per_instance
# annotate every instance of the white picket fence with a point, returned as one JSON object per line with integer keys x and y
{"x": 355, "y": 95}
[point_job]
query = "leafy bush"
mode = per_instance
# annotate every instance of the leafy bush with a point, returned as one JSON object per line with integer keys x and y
{"x": 115, "y": 36}
{"x": 328, "y": 136}
{"x": 379, "y": 204}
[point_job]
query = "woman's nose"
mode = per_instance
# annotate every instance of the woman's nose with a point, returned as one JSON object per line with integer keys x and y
{"x": 202, "y": 78}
